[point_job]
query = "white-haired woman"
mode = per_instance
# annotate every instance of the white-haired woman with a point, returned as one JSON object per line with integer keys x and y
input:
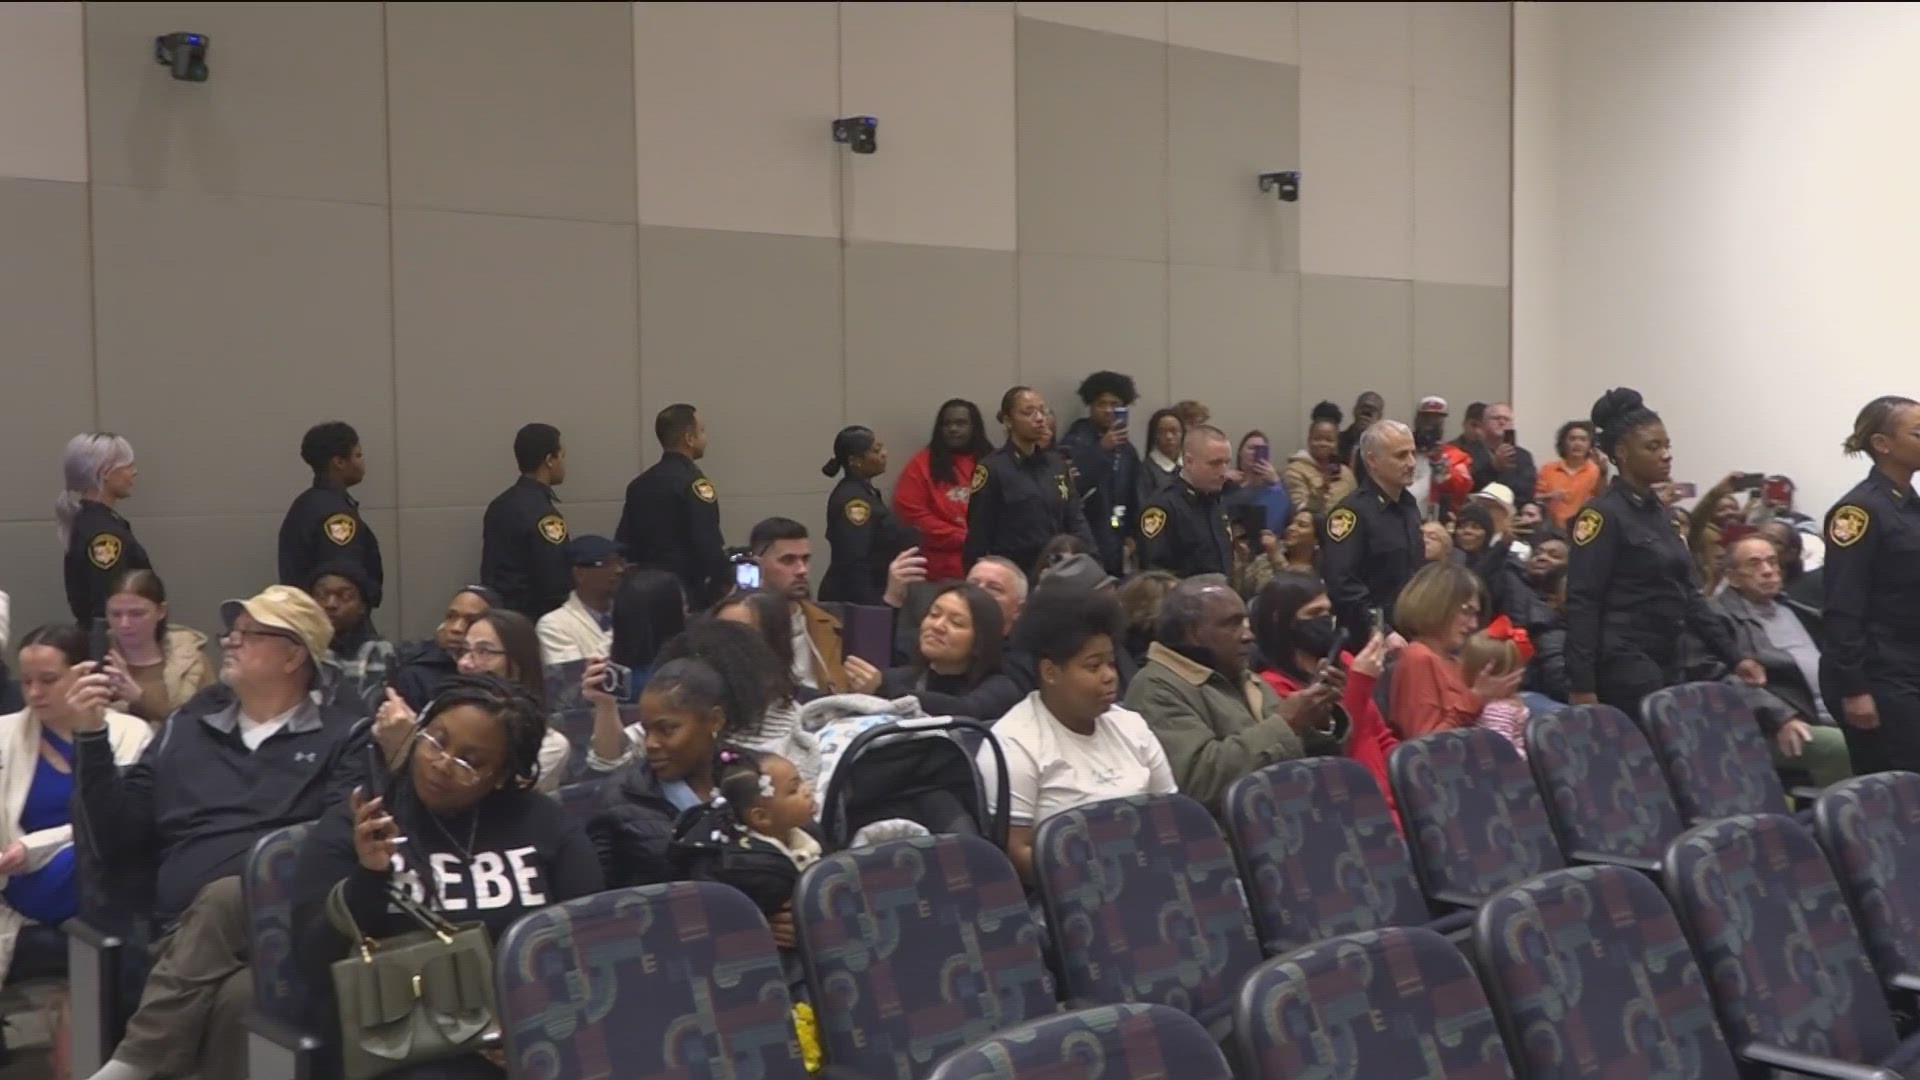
{"x": 100, "y": 544}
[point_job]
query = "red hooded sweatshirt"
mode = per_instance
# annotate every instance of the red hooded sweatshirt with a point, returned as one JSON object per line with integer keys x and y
{"x": 1370, "y": 742}
{"x": 938, "y": 510}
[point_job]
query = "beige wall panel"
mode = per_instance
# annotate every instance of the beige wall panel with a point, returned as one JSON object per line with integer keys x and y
{"x": 46, "y": 306}
{"x": 1232, "y": 119}
{"x": 1464, "y": 48}
{"x": 1079, "y": 315}
{"x": 1460, "y": 348}
{"x": 1356, "y": 150}
{"x": 36, "y": 592}
{"x": 43, "y": 124}
{"x": 1141, "y": 20}
{"x": 1372, "y": 41}
{"x": 1236, "y": 346}
{"x": 1356, "y": 334}
{"x": 208, "y": 559}
{"x": 1262, "y": 31}
{"x": 1462, "y": 188}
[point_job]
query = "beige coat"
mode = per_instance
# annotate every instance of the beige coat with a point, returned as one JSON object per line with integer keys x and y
{"x": 19, "y": 754}
{"x": 184, "y": 666}
{"x": 1310, "y": 487}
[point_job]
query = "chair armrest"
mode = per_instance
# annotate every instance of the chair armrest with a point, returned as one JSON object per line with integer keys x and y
{"x": 281, "y": 1033}
{"x": 277, "y": 1049}
{"x": 1804, "y": 793}
{"x": 1456, "y": 899}
{"x": 92, "y": 937}
{"x": 93, "y": 978}
{"x": 1904, "y": 981}
{"x": 1795, "y": 1061}
{"x": 1631, "y": 862}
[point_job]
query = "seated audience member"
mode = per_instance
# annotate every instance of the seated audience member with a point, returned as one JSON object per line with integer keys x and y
{"x": 932, "y": 492}
{"x": 1300, "y": 546}
{"x": 356, "y": 665}
{"x": 785, "y": 556}
{"x": 1141, "y": 597}
{"x": 1161, "y": 469}
{"x": 1498, "y": 650}
{"x": 1566, "y": 486}
{"x": 1217, "y": 720}
{"x": 1527, "y": 520}
{"x": 956, "y": 668}
{"x": 503, "y": 645}
{"x": 1368, "y": 409}
{"x": 649, "y": 610}
{"x": 1547, "y": 566}
{"x": 156, "y": 667}
{"x": 745, "y": 637}
{"x": 1293, "y": 625}
{"x": 688, "y": 713}
{"x": 1068, "y": 742}
{"x": 583, "y": 626}
{"x": 1318, "y": 476}
{"x": 421, "y": 666}
{"x": 1002, "y": 580}
{"x": 37, "y": 859}
{"x": 1714, "y": 514}
{"x": 1436, "y": 544}
{"x": 1783, "y": 634}
{"x": 1805, "y": 587}
{"x": 1102, "y": 449}
{"x": 1256, "y": 555}
{"x": 524, "y": 534}
{"x": 1477, "y": 535}
{"x": 1061, "y": 548}
{"x": 459, "y": 830}
{"x": 239, "y": 761}
{"x": 1260, "y": 482}
{"x": 755, "y": 838}
{"x": 1438, "y": 611}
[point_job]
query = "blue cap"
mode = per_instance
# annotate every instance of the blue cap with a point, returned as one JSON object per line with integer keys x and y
{"x": 591, "y": 551}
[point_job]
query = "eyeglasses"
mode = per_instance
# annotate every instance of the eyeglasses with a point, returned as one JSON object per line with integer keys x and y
{"x": 433, "y": 753}
{"x": 248, "y": 637}
{"x": 479, "y": 652}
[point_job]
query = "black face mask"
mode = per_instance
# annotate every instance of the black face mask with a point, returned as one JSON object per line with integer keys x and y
{"x": 1314, "y": 635}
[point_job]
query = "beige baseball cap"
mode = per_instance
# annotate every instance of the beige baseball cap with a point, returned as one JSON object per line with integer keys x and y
{"x": 283, "y": 607}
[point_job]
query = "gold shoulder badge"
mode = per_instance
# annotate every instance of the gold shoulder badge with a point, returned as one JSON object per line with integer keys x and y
{"x": 104, "y": 551}
{"x": 1153, "y": 522}
{"x": 1340, "y": 524}
{"x": 553, "y": 529}
{"x": 1065, "y": 486}
{"x": 1848, "y": 526}
{"x": 341, "y": 529}
{"x": 1587, "y": 526}
{"x": 979, "y": 477}
{"x": 858, "y": 512}
{"x": 703, "y": 490}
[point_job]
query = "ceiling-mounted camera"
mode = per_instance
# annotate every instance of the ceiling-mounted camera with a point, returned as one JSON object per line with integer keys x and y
{"x": 1286, "y": 183}
{"x": 184, "y": 52}
{"x": 860, "y": 133}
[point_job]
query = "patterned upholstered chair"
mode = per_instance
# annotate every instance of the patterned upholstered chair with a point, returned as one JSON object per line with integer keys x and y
{"x": 1715, "y": 757}
{"x": 1591, "y": 975}
{"x": 1399, "y": 1002}
{"x": 1474, "y": 819}
{"x": 277, "y": 1043}
{"x": 1789, "y": 975}
{"x": 1145, "y": 904}
{"x": 1107, "y": 1042}
{"x": 1870, "y": 828}
{"x": 1605, "y": 794}
{"x": 915, "y": 948}
{"x": 677, "y": 980}
{"x": 1321, "y": 855}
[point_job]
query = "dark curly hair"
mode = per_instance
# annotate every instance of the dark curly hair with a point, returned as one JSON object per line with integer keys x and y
{"x": 773, "y": 616}
{"x": 1274, "y": 610}
{"x": 519, "y": 712}
{"x": 1108, "y": 382}
{"x": 733, "y": 669}
{"x": 1568, "y": 428}
{"x": 1058, "y": 625}
{"x": 1326, "y": 413}
{"x": 1618, "y": 414}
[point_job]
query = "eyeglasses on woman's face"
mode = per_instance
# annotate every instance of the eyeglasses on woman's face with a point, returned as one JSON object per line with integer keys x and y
{"x": 482, "y": 652}
{"x": 434, "y": 753}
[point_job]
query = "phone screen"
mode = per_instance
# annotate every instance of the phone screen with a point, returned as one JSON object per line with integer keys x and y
{"x": 1263, "y": 454}
{"x": 746, "y": 575}
{"x": 1510, "y": 438}
{"x": 1120, "y": 416}
{"x": 99, "y": 641}
{"x": 1687, "y": 489}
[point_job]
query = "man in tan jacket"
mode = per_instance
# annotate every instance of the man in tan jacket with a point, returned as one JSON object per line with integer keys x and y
{"x": 785, "y": 555}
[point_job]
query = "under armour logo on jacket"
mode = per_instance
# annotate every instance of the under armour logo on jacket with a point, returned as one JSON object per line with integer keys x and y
{"x": 311, "y": 757}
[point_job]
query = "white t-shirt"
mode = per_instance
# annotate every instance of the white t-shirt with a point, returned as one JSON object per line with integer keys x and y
{"x": 1050, "y": 769}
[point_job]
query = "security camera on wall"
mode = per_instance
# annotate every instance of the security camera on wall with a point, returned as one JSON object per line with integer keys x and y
{"x": 860, "y": 133}
{"x": 183, "y": 51}
{"x": 1287, "y": 184}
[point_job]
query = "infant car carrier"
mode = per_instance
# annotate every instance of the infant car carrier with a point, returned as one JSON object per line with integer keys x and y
{"x": 921, "y": 769}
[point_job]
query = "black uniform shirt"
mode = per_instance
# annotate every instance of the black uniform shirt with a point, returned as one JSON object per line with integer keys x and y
{"x": 100, "y": 547}
{"x": 1630, "y": 573}
{"x": 1021, "y": 501}
{"x": 1373, "y": 548}
{"x": 864, "y": 536}
{"x": 324, "y": 526}
{"x": 671, "y": 521}
{"x": 523, "y": 549}
{"x": 1872, "y": 585}
{"x": 1185, "y": 531}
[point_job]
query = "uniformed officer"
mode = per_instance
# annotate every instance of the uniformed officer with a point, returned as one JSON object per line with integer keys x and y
{"x": 671, "y": 520}
{"x": 1374, "y": 544}
{"x": 1631, "y": 593}
{"x": 861, "y": 530}
{"x": 1023, "y": 494}
{"x": 523, "y": 554}
{"x": 323, "y": 526}
{"x": 1184, "y": 529}
{"x": 1870, "y": 667}
{"x": 100, "y": 544}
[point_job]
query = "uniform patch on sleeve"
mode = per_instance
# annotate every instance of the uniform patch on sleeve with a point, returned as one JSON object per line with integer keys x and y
{"x": 1153, "y": 522}
{"x": 1849, "y": 524}
{"x": 979, "y": 477}
{"x": 1341, "y": 523}
{"x": 703, "y": 490}
{"x": 1065, "y": 486}
{"x": 553, "y": 529}
{"x": 104, "y": 551}
{"x": 341, "y": 529}
{"x": 858, "y": 512}
{"x": 1587, "y": 526}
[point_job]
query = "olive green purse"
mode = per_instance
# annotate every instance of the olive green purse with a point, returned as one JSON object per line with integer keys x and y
{"x": 415, "y": 997}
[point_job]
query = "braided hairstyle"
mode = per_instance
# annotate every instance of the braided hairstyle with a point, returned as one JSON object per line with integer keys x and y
{"x": 1618, "y": 414}
{"x": 523, "y": 717}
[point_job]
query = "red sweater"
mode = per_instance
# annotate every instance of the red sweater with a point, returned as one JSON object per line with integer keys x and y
{"x": 1430, "y": 695}
{"x": 1369, "y": 742}
{"x": 938, "y": 510}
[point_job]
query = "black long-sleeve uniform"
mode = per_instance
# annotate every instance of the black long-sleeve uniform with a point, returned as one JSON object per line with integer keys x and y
{"x": 864, "y": 535}
{"x": 1185, "y": 531}
{"x": 671, "y": 521}
{"x": 523, "y": 549}
{"x": 100, "y": 548}
{"x": 1872, "y": 616}
{"x": 324, "y": 526}
{"x": 1373, "y": 547}
{"x": 1021, "y": 501}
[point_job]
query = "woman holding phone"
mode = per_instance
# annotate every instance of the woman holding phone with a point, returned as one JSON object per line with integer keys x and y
{"x": 1316, "y": 477}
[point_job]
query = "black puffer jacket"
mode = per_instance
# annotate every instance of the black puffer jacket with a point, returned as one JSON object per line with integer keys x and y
{"x": 708, "y": 846}
{"x": 420, "y": 668}
{"x": 633, "y": 834}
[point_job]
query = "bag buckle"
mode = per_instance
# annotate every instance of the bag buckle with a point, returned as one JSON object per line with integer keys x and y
{"x": 416, "y": 987}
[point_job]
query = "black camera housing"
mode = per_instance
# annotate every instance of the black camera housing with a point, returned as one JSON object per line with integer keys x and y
{"x": 185, "y": 52}
{"x": 860, "y": 133}
{"x": 1286, "y": 183}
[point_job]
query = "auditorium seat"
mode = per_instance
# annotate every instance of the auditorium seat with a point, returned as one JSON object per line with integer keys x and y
{"x": 1870, "y": 828}
{"x": 915, "y": 948}
{"x": 1144, "y": 904}
{"x": 278, "y": 1046}
{"x": 1321, "y": 856}
{"x": 1399, "y": 1002}
{"x": 1108, "y": 1042}
{"x": 1590, "y": 975}
{"x": 1790, "y": 977}
{"x": 1604, "y": 792}
{"x": 1474, "y": 819}
{"x": 1716, "y": 760}
{"x": 647, "y": 983}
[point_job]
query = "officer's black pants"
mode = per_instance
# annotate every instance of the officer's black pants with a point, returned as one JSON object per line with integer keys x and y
{"x": 1626, "y": 675}
{"x": 1895, "y": 744}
